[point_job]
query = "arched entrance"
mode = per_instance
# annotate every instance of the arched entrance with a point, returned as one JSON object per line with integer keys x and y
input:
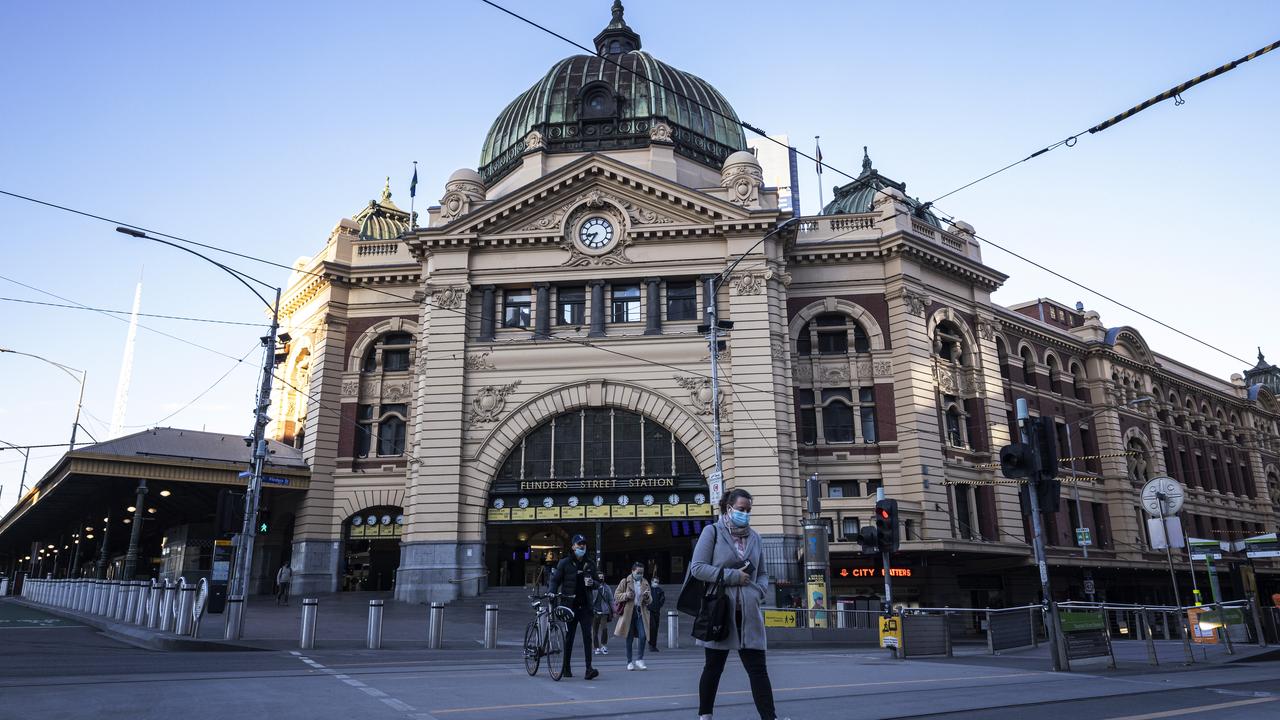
{"x": 372, "y": 545}
{"x": 618, "y": 477}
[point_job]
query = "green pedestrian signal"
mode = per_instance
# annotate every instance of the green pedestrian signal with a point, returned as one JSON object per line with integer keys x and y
{"x": 262, "y": 527}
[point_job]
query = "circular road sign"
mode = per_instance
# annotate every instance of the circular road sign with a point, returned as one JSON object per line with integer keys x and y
{"x": 1162, "y": 490}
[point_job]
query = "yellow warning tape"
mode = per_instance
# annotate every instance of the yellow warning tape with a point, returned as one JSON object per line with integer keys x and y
{"x": 1019, "y": 481}
{"x": 990, "y": 466}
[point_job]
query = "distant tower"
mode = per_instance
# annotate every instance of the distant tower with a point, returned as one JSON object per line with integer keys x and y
{"x": 126, "y": 368}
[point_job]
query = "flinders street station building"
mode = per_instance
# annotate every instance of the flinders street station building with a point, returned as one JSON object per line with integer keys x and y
{"x": 465, "y": 391}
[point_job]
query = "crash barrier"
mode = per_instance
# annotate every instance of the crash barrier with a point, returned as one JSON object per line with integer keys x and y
{"x": 925, "y": 634}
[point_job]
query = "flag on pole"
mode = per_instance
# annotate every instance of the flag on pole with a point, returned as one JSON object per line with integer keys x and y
{"x": 413, "y": 184}
{"x": 817, "y": 152}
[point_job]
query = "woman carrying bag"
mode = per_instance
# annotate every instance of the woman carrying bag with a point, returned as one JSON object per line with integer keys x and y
{"x": 633, "y": 598}
{"x": 729, "y": 551}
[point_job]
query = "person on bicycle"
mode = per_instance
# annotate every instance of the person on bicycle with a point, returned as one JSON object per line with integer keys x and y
{"x": 574, "y": 579}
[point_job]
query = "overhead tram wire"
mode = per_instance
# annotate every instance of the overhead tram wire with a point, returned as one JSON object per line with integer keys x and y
{"x": 239, "y": 363}
{"x": 129, "y": 312}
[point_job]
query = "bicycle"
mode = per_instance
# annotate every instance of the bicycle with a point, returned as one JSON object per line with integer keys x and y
{"x": 544, "y": 636}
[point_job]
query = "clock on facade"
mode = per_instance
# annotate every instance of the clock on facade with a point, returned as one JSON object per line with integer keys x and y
{"x": 548, "y": 502}
{"x": 699, "y": 499}
{"x": 371, "y": 520}
{"x": 623, "y": 500}
{"x": 357, "y": 521}
{"x": 597, "y": 501}
{"x": 386, "y": 519}
{"x": 595, "y": 232}
{"x": 648, "y": 499}
{"x": 573, "y": 501}
{"x": 499, "y": 503}
{"x": 674, "y": 499}
{"x": 523, "y": 502}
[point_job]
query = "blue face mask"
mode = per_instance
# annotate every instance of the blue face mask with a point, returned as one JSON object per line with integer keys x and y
{"x": 740, "y": 518}
{"x": 579, "y": 553}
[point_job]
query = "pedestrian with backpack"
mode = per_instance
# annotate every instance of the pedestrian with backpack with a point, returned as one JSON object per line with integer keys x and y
{"x": 603, "y": 608}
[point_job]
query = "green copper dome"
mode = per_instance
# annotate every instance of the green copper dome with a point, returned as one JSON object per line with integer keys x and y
{"x": 587, "y": 103}
{"x": 860, "y": 195}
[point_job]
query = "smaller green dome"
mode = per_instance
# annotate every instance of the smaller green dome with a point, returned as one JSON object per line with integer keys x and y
{"x": 381, "y": 219}
{"x": 860, "y": 195}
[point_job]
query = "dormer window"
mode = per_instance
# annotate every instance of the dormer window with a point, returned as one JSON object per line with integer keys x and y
{"x": 598, "y": 102}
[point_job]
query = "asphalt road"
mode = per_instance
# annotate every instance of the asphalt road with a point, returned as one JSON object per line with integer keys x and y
{"x": 52, "y": 668}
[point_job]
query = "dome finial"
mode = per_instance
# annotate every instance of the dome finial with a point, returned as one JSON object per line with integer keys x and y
{"x": 386, "y": 190}
{"x": 617, "y": 38}
{"x": 866, "y": 161}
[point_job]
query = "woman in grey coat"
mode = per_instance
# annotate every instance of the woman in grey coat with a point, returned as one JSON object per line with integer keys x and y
{"x": 730, "y": 543}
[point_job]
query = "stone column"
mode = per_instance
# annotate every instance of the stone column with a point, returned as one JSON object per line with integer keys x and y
{"x": 488, "y": 311}
{"x": 314, "y": 556}
{"x": 597, "y": 308}
{"x": 542, "y": 310}
{"x": 653, "y": 306}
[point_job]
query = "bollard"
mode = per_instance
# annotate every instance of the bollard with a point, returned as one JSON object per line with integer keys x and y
{"x": 435, "y": 626}
{"x": 308, "y": 638}
{"x": 673, "y": 629}
{"x": 153, "y": 606}
{"x": 491, "y": 627}
{"x": 144, "y": 597}
{"x": 373, "y": 636}
{"x": 235, "y": 610}
{"x": 186, "y": 602}
{"x": 167, "y": 596}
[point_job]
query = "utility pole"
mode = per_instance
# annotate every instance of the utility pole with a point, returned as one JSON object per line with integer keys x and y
{"x": 713, "y": 346}
{"x": 135, "y": 533}
{"x": 244, "y": 546}
{"x": 1031, "y": 440}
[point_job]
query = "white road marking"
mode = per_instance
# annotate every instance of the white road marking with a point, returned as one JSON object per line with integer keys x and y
{"x": 389, "y": 701}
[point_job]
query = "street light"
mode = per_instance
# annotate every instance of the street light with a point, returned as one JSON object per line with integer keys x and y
{"x": 68, "y": 370}
{"x": 239, "y": 584}
{"x": 26, "y": 455}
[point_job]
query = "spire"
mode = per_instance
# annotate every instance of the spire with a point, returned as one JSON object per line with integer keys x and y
{"x": 866, "y": 161}
{"x": 617, "y": 37}
{"x": 386, "y": 190}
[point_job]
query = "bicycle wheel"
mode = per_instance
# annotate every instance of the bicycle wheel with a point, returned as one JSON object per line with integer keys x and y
{"x": 555, "y": 650}
{"x": 532, "y": 648}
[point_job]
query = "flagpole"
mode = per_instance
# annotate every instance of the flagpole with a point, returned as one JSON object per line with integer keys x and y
{"x": 413, "y": 194}
{"x": 818, "y": 154}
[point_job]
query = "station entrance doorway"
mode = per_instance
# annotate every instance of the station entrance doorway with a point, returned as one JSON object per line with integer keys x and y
{"x": 371, "y": 553}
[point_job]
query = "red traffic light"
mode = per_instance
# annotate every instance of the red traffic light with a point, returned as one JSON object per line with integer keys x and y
{"x": 884, "y": 513}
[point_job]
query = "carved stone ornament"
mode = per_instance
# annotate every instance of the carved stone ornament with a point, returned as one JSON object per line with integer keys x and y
{"x": 916, "y": 302}
{"x": 534, "y": 141}
{"x": 804, "y": 372}
{"x": 751, "y": 283}
{"x": 395, "y": 392}
{"x": 489, "y": 403}
{"x": 986, "y": 330}
{"x": 835, "y": 374}
{"x": 480, "y": 361}
{"x": 450, "y": 298}
{"x": 864, "y": 369}
{"x": 743, "y": 182}
{"x": 699, "y": 392}
{"x": 459, "y": 196}
{"x": 660, "y": 132}
{"x": 596, "y": 198}
{"x": 882, "y": 367}
{"x": 350, "y": 387}
{"x": 615, "y": 254}
{"x": 777, "y": 350}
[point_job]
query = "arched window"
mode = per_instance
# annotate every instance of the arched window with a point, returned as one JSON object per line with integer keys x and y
{"x": 1138, "y": 461}
{"x": 381, "y": 429}
{"x": 955, "y": 426}
{"x": 1055, "y": 385}
{"x": 948, "y": 343}
{"x": 830, "y": 333}
{"x": 1077, "y": 381}
{"x": 1028, "y": 366}
{"x": 598, "y": 443}
{"x": 1002, "y": 358}
{"x": 390, "y": 353}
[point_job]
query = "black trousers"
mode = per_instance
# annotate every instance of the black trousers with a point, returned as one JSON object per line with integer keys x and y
{"x": 581, "y": 619}
{"x": 761, "y": 689}
{"x": 655, "y": 617}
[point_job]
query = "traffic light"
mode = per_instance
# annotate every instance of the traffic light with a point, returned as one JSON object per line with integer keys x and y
{"x": 869, "y": 539}
{"x": 1047, "y": 445}
{"x": 1036, "y": 462}
{"x": 229, "y": 516}
{"x": 1017, "y": 461}
{"x": 887, "y": 525}
{"x": 264, "y": 521}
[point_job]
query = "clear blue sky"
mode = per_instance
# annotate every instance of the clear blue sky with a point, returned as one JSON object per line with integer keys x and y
{"x": 257, "y": 126}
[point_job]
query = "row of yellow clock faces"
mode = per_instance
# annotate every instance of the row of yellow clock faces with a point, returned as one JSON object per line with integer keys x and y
{"x": 598, "y": 500}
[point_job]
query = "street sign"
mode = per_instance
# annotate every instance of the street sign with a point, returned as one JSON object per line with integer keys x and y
{"x": 715, "y": 486}
{"x": 1089, "y": 588}
{"x": 1162, "y": 490}
{"x": 1083, "y": 537}
{"x": 275, "y": 480}
{"x": 780, "y": 618}
{"x": 1202, "y": 549}
{"x": 1262, "y": 546}
{"x": 1165, "y": 534}
{"x": 890, "y": 632}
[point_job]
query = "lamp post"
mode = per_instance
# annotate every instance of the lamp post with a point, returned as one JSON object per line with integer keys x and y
{"x": 712, "y": 329}
{"x": 26, "y": 455}
{"x": 75, "y": 424}
{"x": 243, "y": 564}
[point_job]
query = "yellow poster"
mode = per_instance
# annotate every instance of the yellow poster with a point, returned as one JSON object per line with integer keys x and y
{"x": 601, "y": 511}
{"x": 780, "y": 618}
{"x": 549, "y": 513}
{"x": 573, "y": 513}
{"x": 523, "y": 513}
{"x": 624, "y": 511}
{"x": 699, "y": 510}
{"x": 649, "y": 511}
{"x": 816, "y": 597}
{"x": 675, "y": 510}
{"x": 496, "y": 514}
{"x": 890, "y": 632}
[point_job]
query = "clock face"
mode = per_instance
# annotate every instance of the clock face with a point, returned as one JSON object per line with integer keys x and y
{"x": 699, "y": 499}
{"x": 648, "y": 499}
{"x": 523, "y": 502}
{"x": 371, "y": 520}
{"x": 573, "y": 501}
{"x": 357, "y": 521}
{"x": 597, "y": 501}
{"x": 674, "y": 499}
{"x": 548, "y": 502}
{"x": 596, "y": 233}
{"x": 499, "y": 503}
{"x": 386, "y": 519}
{"x": 623, "y": 500}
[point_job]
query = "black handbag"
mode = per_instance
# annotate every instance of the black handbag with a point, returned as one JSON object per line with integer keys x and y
{"x": 712, "y": 621}
{"x": 694, "y": 590}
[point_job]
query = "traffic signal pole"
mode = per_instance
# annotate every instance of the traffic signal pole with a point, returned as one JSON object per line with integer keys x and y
{"x": 1031, "y": 439}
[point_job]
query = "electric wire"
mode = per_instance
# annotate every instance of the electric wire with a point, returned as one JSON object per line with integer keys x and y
{"x": 239, "y": 363}
{"x": 129, "y": 312}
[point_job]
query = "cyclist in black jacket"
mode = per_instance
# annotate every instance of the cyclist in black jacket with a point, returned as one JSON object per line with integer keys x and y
{"x": 574, "y": 579}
